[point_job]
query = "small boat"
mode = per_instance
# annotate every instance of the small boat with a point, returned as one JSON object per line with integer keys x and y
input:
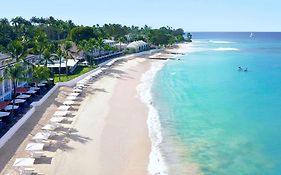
{"x": 252, "y": 35}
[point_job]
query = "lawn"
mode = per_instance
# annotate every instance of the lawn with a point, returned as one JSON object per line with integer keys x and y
{"x": 79, "y": 71}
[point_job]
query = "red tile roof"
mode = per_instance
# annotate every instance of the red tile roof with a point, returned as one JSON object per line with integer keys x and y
{"x": 4, "y": 104}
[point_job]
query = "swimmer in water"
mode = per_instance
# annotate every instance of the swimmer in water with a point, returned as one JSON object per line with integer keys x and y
{"x": 239, "y": 68}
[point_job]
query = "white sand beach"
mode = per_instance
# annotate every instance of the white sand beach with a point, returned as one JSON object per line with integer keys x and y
{"x": 108, "y": 134}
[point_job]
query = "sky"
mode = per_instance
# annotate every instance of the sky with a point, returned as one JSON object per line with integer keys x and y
{"x": 191, "y": 15}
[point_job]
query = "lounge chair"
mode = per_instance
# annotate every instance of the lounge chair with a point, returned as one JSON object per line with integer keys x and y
{"x": 47, "y": 143}
{"x": 27, "y": 171}
{"x": 36, "y": 154}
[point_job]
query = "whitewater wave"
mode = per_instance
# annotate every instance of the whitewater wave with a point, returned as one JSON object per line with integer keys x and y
{"x": 221, "y": 42}
{"x": 157, "y": 165}
{"x": 225, "y": 49}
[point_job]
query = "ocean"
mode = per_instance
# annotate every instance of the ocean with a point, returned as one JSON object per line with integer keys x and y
{"x": 207, "y": 117}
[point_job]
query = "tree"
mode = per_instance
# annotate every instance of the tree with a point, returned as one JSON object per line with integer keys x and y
{"x": 41, "y": 44}
{"x": 40, "y": 73}
{"x": 16, "y": 73}
{"x": 81, "y": 33}
{"x": 100, "y": 44}
{"x": 47, "y": 58}
{"x": 6, "y": 34}
{"x": 58, "y": 55}
{"x": 88, "y": 47}
{"x": 188, "y": 37}
{"x": 66, "y": 47}
{"x": 17, "y": 49}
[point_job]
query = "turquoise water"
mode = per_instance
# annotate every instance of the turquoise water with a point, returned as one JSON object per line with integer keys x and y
{"x": 224, "y": 121}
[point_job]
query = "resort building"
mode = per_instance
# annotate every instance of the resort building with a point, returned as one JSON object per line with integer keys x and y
{"x": 138, "y": 46}
{"x": 109, "y": 42}
{"x": 6, "y": 85}
{"x": 70, "y": 66}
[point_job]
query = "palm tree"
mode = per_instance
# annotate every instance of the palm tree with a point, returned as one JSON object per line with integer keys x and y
{"x": 89, "y": 47}
{"x": 66, "y": 47}
{"x": 40, "y": 43}
{"x": 17, "y": 49}
{"x": 47, "y": 58}
{"x": 40, "y": 73}
{"x": 58, "y": 55}
{"x": 16, "y": 73}
{"x": 100, "y": 44}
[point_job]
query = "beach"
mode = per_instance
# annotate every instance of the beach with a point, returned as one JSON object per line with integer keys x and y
{"x": 108, "y": 127}
{"x": 111, "y": 132}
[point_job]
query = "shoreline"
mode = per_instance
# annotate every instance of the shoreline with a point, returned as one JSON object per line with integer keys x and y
{"x": 107, "y": 137}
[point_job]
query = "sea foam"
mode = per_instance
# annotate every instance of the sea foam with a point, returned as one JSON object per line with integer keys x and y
{"x": 157, "y": 165}
{"x": 225, "y": 49}
{"x": 220, "y": 42}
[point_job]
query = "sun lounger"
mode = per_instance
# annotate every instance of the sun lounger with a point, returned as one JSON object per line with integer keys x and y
{"x": 51, "y": 127}
{"x": 57, "y": 119}
{"x": 22, "y": 162}
{"x": 60, "y": 113}
{"x": 74, "y": 94}
{"x": 40, "y": 136}
{"x": 63, "y": 108}
{"x": 77, "y": 90}
{"x": 46, "y": 142}
{"x": 34, "y": 147}
{"x": 27, "y": 171}
{"x": 36, "y": 154}
{"x": 71, "y": 98}
{"x": 68, "y": 102}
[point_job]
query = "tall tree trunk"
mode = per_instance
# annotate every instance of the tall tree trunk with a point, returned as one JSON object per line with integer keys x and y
{"x": 66, "y": 69}
{"x": 14, "y": 97}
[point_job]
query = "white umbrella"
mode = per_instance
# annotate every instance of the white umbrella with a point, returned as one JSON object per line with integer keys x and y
{"x": 34, "y": 88}
{"x": 17, "y": 101}
{"x": 74, "y": 94}
{"x": 24, "y": 162}
{"x": 57, "y": 119}
{"x": 68, "y": 102}
{"x": 63, "y": 108}
{"x": 41, "y": 136}
{"x": 41, "y": 85}
{"x": 23, "y": 96}
{"x": 60, "y": 113}
{"x": 10, "y": 107}
{"x": 34, "y": 147}
{"x": 4, "y": 114}
{"x": 77, "y": 90}
{"x": 71, "y": 98}
{"x": 31, "y": 92}
{"x": 50, "y": 127}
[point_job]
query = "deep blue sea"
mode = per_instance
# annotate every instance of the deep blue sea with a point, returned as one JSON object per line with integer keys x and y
{"x": 215, "y": 119}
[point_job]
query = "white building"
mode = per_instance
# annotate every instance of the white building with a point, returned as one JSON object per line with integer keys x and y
{"x": 71, "y": 65}
{"x": 6, "y": 85}
{"x": 109, "y": 42}
{"x": 138, "y": 46}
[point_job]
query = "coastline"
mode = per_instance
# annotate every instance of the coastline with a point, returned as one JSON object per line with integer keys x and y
{"x": 110, "y": 133}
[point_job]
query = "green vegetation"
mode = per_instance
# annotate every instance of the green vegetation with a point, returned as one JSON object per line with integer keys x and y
{"x": 16, "y": 73}
{"x": 53, "y": 39}
{"x": 56, "y": 30}
{"x": 79, "y": 71}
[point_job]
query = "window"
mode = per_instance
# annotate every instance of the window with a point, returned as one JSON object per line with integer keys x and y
{"x": 7, "y": 85}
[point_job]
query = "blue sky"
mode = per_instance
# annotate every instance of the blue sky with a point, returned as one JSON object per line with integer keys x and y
{"x": 191, "y": 15}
